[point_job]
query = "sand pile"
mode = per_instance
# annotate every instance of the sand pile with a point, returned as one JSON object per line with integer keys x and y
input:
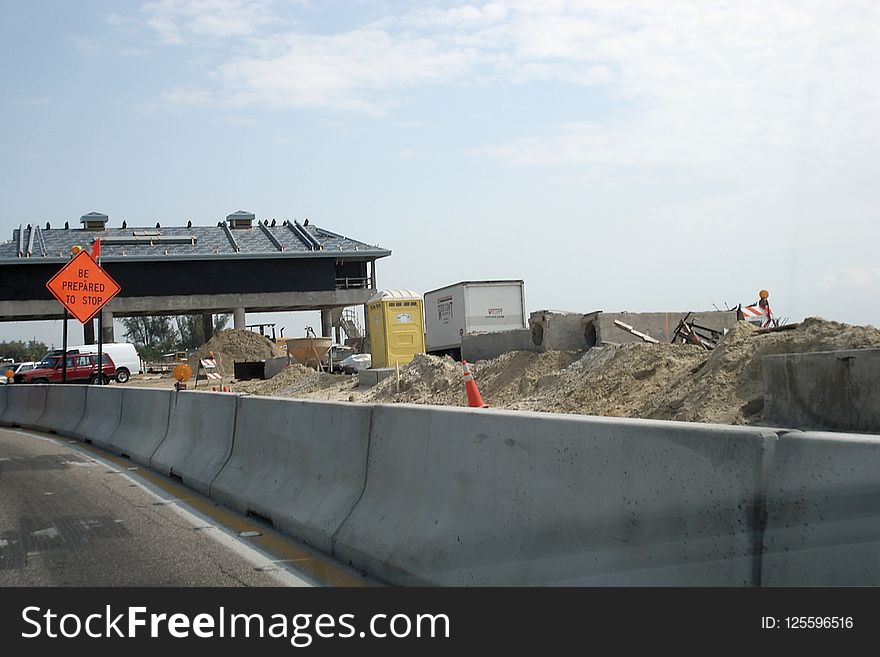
{"x": 293, "y": 381}
{"x": 684, "y": 382}
{"x": 517, "y": 374}
{"x": 729, "y": 387}
{"x": 615, "y": 380}
{"x": 234, "y": 346}
{"x": 661, "y": 381}
{"x": 425, "y": 380}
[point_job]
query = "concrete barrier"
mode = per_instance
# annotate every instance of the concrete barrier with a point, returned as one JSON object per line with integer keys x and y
{"x": 101, "y": 416}
{"x": 65, "y": 406}
{"x": 823, "y": 511}
{"x": 483, "y": 346}
{"x": 418, "y": 495}
{"x": 826, "y": 391}
{"x": 142, "y": 425}
{"x": 473, "y": 497}
{"x": 300, "y": 464}
{"x": 199, "y": 439}
{"x": 25, "y": 403}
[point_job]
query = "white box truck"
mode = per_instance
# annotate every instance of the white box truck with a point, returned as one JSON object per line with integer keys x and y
{"x": 454, "y": 311}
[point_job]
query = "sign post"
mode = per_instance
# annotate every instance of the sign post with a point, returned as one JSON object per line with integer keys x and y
{"x": 83, "y": 288}
{"x": 64, "y": 348}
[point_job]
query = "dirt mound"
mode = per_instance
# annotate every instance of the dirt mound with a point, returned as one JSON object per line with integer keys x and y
{"x": 503, "y": 380}
{"x": 729, "y": 387}
{"x": 660, "y": 381}
{"x": 517, "y": 374}
{"x": 614, "y": 380}
{"x": 424, "y": 380}
{"x": 293, "y": 381}
{"x": 234, "y": 346}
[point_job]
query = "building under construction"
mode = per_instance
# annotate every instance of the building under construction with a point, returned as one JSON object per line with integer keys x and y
{"x": 239, "y": 265}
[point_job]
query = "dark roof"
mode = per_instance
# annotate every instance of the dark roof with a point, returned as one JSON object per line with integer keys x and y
{"x": 284, "y": 240}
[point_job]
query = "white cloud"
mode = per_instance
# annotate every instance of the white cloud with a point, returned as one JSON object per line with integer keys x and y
{"x": 772, "y": 97}
{"x": 464, "y": 16}
{"x": 860, "y": 278}
{"x": 767, "y": 94}
{"x": 176, "y": 20}
{"x": 183, "y": 96}
{"x": 354, "y": 71}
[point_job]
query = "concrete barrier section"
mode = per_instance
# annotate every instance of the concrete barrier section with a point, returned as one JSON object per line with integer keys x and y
{"x": 25, "y": 403}
{"x": 823, "y": 511}
{"x": 825, "y": 391}
{"x": 65, "y": 406}
{"x": 483, "y": 346}
{"x": 473, "y": 497}
{"x": 199, "y": 439}
{"x": 103, "y": 406}
{"x": 300, "y": 464}
{"x": 142, "y": 424}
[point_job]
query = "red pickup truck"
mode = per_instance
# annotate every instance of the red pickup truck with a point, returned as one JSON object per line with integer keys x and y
{"x": 81, "y": 368}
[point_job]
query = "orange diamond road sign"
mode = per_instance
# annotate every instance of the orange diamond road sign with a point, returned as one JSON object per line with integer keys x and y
{"x": 83, "y": 287}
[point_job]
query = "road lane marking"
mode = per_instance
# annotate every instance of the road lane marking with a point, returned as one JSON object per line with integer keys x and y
{"x": 273, "y": 548}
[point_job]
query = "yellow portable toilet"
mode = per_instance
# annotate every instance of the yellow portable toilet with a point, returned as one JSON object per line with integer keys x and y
{"x": 397, "y": 327}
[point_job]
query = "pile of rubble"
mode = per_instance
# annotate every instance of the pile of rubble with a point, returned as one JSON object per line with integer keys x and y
{"x": 425, "y": 380}
{"x": 660, "y": 381}
{"x": 234, "y": 346}
{"x": 293, "y": 381}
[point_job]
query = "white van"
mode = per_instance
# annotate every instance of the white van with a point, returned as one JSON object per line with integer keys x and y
{"x": 124, "y": 356}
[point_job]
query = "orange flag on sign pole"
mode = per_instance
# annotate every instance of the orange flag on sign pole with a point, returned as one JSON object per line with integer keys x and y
{"x": 96, "y": 249}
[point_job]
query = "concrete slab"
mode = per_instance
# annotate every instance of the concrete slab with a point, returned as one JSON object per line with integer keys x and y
{"x": 371, "y": 376}
{"x": 25, "y": 403}
{"x": 832, "y": 390}
{"x": 474, "y": 497}
{"x": 65, "y": 406}
{"x": 199, "y": 438}
{"x": 101, "y": 416}
{"x": 143, "y": 423}
{"x": 823, "y": 525}
{"x": 300, "y": 464}
{"x": 483, "y": 346}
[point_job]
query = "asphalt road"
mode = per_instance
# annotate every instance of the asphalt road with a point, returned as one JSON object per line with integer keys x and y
{"x": 73, "y": 516}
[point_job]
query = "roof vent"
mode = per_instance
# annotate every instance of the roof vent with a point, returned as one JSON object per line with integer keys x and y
{"x": 240, "y": 219}
{"x": 94, "y": 221}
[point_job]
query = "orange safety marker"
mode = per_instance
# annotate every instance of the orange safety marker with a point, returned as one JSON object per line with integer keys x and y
{"x": 475, "y": 400}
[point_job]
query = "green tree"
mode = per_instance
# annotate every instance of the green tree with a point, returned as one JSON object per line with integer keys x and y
{"x": 153, "y": 336}
{"x": 19, "y": 351}
{"x": 191, "y": 332}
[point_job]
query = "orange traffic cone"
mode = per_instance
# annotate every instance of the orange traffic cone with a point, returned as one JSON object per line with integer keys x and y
{"x": 475, "y": 400}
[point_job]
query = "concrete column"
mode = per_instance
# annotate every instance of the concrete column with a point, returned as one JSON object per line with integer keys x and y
{"x": 207, "y": 326}
{"x": 366, "y": 347}
{"x": 89, "y": 332}
{"x": 326, "y": 323}
{"x": 107, "y": 327}
{"x": 238, "y": 318}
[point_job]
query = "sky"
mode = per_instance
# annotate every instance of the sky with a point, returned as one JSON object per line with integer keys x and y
{"x": 640, "y": 156}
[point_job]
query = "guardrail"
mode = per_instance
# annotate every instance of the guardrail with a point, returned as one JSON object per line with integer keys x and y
{"x": 420, "y": 495}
